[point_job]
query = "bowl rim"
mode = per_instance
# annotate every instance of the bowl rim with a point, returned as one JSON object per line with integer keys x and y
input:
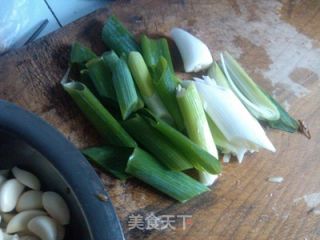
{"x": 78, "y": 173}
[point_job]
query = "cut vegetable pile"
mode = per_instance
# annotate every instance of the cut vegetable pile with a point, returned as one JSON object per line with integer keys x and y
{"x": 155, "y": 125}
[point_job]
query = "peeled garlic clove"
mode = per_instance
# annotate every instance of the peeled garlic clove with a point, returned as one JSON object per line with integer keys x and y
{"x": 29, "y": 200}
{"x": 26, "y": 232}
{"x": 26, "y": 178}
{"x": 44, "y": 227}
{"x": 61, "y": 231}
{"x": 9, "y": 194}
{"x": 4, "y": 236}
{"x": 56, "y": 207}
{"x": 195, "y": 54}
{"x": 20, "y": 221}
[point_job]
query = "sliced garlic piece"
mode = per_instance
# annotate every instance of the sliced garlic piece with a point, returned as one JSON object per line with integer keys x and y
{"x": 195, "y": 54}
{"x": 29, "y": 200}
{"x": 26, "y": 178}
{"x": 56, "y": 207}
{"x": 9, "y": 194}
{"x": 44, "y": 227}
{"x": 20, "y": 221}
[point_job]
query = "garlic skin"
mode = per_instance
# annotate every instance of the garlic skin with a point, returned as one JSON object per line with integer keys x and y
{"x": 20, "y": 221}
{"x": 195, "y": 54}
{"x": 29, "y": 200}
{"x": 9, "y": 194}
{"x": 26, "y": 178}
{"x": 56, "y": 207}
{"x": 44, "y": 227}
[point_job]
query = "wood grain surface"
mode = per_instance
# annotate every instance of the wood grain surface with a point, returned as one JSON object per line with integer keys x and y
{"x": 278, "y": 42}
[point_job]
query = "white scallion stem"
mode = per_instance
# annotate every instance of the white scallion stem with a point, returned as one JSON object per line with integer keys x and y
{"x": 254, "y": 99}
{"x": 238, "y": 126}
{"x": 196, "y": 124}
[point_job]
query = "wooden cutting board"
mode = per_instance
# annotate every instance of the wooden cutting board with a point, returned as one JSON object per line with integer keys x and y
{"x": 277, "y": 42}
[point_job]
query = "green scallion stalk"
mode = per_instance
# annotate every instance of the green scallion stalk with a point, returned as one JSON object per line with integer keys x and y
{"x": 196, "y": 124}
{"x": 286, "y": 122}
{"x": 156, "y": 144}
{"x": 81, "y": 54}
{"x": 154, "y": 49}
{"x": 216, "y": 73}
{"x": 199, "y": 158}
{"x": 174, "y": 184}
{"x": 128, "y": 98}
{"x": 250, "y": 94}
{"x": 141, "y": 74}
{"x": 110, "y": 58}
{"x": 101, "y": 77}
{"x": 194, "y": 117}
{"x": 110, "y": 159}
{"x": 143, "y": 80}
{"x": 165, "y": 83}
{"x": 100, "y": 118}
{"x": 86, "y": 80}
{"x": 117, "y": 37}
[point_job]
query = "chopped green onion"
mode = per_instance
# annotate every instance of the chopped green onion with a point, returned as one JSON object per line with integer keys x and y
{"x": 81, "y": 54}
{"x": 86, "y": 80}
{"x": 174, "y": 184}
{"x": 245, "y": 84}
{"x": 225, "y": 146}
{"x": 286, "y": 122}
{"x": 153, "y": 49}
{"x": 110, "y": 58}
{"x": 196, "y": 123}
{"x": 111, "y": 159}
{"x": 117, "y": 37}
{"x": 194, "y": 117}
{"x": 141, "y": 74}
{"x": 166, "y": 83}
{"x": 259, "y": 105}
{"x": 156, "y": 144}
{"x": 199, "y": 158}
{"x": 216, "y": 73}
{"x": 142, "y": 78}
{"x": 101, "y": 77}
{"x": 128, "y": 98}
{"x": 232, "y": 118}
{"x": 99, "y": 117}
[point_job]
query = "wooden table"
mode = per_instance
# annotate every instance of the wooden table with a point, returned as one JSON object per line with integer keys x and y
{"x": 277, "y": 42}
